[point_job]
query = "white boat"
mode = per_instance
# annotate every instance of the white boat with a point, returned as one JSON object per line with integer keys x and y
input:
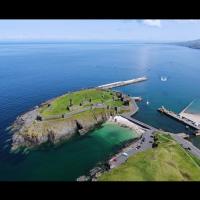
{"x": 147, "y": 102}
{"x": 163, "y": 78}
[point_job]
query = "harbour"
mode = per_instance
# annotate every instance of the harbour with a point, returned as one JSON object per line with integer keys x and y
{"x": 144, "y": 141}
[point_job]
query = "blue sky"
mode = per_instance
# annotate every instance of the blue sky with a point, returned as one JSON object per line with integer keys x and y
{"x": 132, "y": 30}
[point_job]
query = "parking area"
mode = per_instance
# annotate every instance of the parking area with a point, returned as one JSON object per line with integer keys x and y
{"x": 145, "y": 142}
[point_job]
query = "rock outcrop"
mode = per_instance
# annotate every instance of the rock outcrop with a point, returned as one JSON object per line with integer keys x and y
{"x": 29, "y": 132}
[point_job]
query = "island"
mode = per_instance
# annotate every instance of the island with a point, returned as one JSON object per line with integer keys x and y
{"x": 73, "y": 113}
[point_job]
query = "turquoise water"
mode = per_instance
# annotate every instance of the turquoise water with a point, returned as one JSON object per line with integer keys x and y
{"x": 194, "y": 108}
{"x": 67, "y": 162}
{"x": 31, "y": 73}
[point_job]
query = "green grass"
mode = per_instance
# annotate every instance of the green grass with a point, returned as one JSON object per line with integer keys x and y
{"x": 167, "y": 162}
{"x": 59, "y": 105}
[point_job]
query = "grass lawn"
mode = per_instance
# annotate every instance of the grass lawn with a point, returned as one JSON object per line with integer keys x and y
{"x": 59, "y": 105}
{"x": 167, "y": 162}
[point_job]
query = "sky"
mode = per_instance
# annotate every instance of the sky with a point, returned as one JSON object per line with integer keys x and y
{"x": 131, "y": 30}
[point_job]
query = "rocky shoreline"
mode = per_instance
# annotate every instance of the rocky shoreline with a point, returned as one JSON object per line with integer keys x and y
{"x": 30, "y": 133}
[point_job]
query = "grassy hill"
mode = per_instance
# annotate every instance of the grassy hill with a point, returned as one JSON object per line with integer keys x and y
{"x": 80, "y": 100}
{"x": 167, "y": 162}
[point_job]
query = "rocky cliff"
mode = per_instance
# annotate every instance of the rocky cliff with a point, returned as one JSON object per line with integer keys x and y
{"x": 30, "y": 133}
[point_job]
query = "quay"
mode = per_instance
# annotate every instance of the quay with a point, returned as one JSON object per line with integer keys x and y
{"x": 121, "y": 83}
{"x": 142, "y": 124}
{"x": 179, "y": 118}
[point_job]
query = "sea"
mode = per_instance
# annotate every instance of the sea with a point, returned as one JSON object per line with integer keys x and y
{"x": 33, "y": 72}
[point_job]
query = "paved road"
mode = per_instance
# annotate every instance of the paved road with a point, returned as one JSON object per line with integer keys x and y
{"x": 185, "y": 144}
{"x": 131, "y": 150}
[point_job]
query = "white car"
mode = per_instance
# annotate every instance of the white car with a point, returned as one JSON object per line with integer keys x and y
{"x": 125, "y": 154}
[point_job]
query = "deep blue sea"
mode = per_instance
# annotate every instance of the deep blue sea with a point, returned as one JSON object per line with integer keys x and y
{"x": 31, "y": 73}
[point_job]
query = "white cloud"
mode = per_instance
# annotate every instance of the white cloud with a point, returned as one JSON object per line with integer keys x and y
{"x": 187, "y": 20}
{"x": 152, "y": 22}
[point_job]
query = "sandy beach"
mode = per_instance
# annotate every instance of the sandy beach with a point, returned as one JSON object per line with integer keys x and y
{"x": 193, "y": 117}
{"x": 124, "y": 122}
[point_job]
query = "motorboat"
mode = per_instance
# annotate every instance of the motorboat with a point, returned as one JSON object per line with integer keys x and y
{"x": 163, "y": 78}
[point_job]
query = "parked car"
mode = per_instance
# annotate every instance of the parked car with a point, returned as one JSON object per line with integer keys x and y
{"x": 125, "y": 154}
{"x": 137, "y": 147}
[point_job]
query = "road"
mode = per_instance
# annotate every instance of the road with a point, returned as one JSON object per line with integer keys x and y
{"x": 131, "y": 150}
{"x": 185, "y": 144}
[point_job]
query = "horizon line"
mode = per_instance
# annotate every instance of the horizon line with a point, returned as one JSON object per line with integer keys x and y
{"x": 87, "y": 40}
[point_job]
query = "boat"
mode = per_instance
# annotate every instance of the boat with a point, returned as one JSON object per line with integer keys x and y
{"x": 163, "y": 78}
{"x": 147, "y": 102}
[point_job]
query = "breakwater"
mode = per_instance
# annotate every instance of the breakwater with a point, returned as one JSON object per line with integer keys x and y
{"x": 122, "y": 83}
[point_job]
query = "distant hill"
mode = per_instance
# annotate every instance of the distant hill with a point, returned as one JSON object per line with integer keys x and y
{"x": 195, "y": 44}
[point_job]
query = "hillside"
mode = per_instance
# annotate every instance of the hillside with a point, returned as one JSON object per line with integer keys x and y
{"x": 167, "y": 162}
{"x": 195, "y": 44}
